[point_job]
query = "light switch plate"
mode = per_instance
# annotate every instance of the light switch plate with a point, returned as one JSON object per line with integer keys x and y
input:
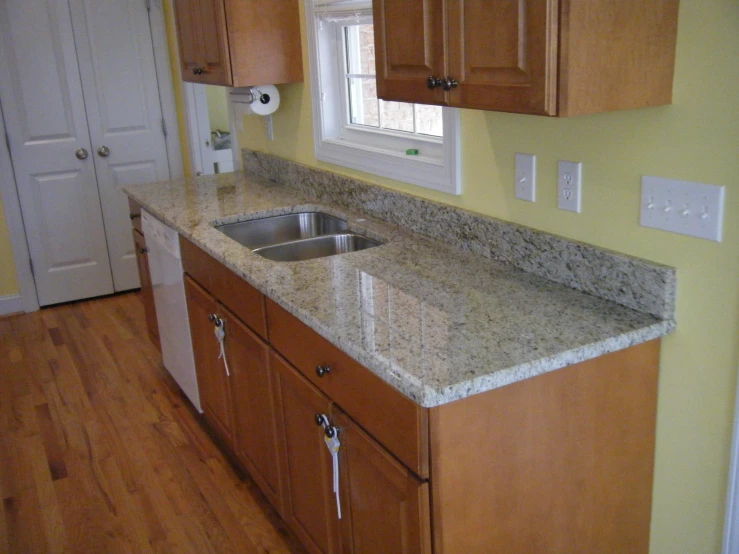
{"x": 684, "y": 207}
{"x": 569, "y": 186}
{"x": 525, "y": 177}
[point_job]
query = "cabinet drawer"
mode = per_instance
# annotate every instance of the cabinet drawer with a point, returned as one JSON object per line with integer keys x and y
{"x": 134, "y": 210}
{"x": 394, "y": 420}
{"x": 231, "y": 290}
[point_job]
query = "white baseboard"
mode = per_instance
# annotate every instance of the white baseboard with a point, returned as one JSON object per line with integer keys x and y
{"x": 10, "y": 304}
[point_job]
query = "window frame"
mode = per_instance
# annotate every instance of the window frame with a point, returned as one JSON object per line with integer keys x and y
{"x": 373, "y": 150}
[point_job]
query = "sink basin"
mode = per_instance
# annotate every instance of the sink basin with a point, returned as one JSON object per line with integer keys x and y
{"x": 318, "y": 247}
{"x": 257, "y": 233}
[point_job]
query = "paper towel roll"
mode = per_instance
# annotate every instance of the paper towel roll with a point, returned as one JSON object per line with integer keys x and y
{"x": 266, "y": 100}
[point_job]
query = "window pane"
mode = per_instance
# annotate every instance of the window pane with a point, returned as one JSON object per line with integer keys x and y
{"x": 397, "y": 116}
{"x": 363, "y": 109}
{"x": 360, "y": 43}
{"x": 429, "y": 120}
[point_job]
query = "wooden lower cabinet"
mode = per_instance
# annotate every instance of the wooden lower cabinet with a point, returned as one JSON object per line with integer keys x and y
{"x": 214, "y": 384}
{"x": 251, "y": 390}
{"x": 147, "y": 292}
{"x": 309, "y": 504}
{"x": 385, "y": 508}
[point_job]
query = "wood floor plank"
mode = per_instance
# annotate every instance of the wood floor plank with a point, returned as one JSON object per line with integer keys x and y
{"x": 101, "y": 452}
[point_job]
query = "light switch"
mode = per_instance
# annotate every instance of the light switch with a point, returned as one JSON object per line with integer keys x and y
{"x": 525, "y": 177}
{"x": 684, "y": 207}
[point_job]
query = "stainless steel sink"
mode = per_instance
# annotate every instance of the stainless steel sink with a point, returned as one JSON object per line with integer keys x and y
{"x": 257, "y": 233}
{"x": 318, "y": 247}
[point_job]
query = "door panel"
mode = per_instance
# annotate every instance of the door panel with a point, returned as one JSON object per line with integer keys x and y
{"x": 214, "y": 385}
{"x": 309, "y": 504}
{"x": 254, "y": 423}
{"x": 124, "y": 113}
{"x": 217, "y": 61}
{"x": 386, "y": 507}
{"x": 504, "y": 54}
{"x": 409, "y": 47}
{"x": 45, "y": 119}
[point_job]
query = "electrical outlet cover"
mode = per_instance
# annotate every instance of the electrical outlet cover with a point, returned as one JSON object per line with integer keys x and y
{"x": 569, "y": 186}
{"x": 525, "y": 177}
{"x": 693, "y": 209}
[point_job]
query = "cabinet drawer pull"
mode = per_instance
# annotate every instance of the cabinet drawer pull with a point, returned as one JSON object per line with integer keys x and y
{"x": 322, "y": 370}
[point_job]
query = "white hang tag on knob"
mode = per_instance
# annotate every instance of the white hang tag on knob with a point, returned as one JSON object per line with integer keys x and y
{"x": 221, "y": 336}
{"x": 333, "y": 446}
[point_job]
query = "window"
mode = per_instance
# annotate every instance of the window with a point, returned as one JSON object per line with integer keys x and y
{"x": 414, "y": 143}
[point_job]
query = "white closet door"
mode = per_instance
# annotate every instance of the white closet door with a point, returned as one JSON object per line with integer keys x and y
{"x": 45, "y": 120}
{"x": 116, "y": 56}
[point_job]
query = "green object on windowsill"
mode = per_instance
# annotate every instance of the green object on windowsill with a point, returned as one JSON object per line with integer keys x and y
{"x": 411, "y": 152}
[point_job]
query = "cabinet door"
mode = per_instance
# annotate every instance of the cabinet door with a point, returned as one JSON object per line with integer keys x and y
{"x": 189, "y": 37}
{"x": 216, "y": 63}
{"x": 213, "y": 381}
{"x": 504, "y": 54}
{"x": 385, "y": 508}
{"x": 409, "y": 47}
{"x": 147, "y": 293}
{"x": 251, "y": 388}
{"x": 309, "y": 504}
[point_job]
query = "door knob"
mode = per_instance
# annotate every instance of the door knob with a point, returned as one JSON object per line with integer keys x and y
{"x": 81, "y": 154}
{"x": 103, "y": 151}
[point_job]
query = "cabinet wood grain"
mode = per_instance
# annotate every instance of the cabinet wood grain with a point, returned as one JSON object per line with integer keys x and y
{"x": 385, "y": 508}
{"x": 214, "y": 385}
{"x": 147, "y": 292}
{"x": 309, "y": 505}
{"x": 252, "y": 400}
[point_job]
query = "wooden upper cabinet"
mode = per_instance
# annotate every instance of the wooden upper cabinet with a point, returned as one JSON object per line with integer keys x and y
{"x": 238, "y": 43}
{"x": 546, "y": 57}
{"x": 409, "y": 48}
{"x": 504, "y": 55}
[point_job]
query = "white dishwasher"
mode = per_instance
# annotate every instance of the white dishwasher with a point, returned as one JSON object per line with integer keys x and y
{"x": 167, "y": 281}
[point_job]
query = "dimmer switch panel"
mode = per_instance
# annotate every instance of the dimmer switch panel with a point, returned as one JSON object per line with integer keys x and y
{"x": 693, "y": 209}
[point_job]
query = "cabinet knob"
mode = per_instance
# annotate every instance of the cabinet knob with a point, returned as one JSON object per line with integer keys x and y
{"x": 143, "y": 250}
{"x": 198, "y": 70}
{"x": 322, "y": 370}
{"x": 321, "y": 419}
{"x": 448, "y": 83}
{"x": 433, "y": 82}
{"x": 134, "y": 216}
{"x": 330, "y": 431}
{"x": 215, "y": 320}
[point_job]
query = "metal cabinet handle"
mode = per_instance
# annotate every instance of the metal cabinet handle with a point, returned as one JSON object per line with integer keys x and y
{"x": 198, "y": 70}
{"x": 328, "y": 429}
{"x": 433, "y": 82}
{"x": 103, "y": 151}
{"x": 448, "y": 83}
{"x": 81, "y": 154}
{"x": 322, "y": 370}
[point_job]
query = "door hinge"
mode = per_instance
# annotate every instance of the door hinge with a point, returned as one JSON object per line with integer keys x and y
{"x": 164, "y": 127}
{"x": 30, "y": 263}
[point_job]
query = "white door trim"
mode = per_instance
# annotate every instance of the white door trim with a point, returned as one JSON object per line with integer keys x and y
{"x": 8, "y": 186}
{"x": 14, "y": 221}
{"x": 731, "y": 524}
{"x": 166, "y": 90}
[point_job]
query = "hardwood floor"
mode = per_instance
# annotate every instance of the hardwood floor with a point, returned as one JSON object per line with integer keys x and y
{"x": 100, "y": 452}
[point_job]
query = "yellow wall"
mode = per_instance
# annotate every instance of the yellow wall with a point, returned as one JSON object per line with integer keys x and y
{"x": 217, "y": 107}
{"x": 697, "y": 138}
{"x": 8, "y": 282}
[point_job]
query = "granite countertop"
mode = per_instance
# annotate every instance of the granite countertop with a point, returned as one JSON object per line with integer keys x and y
{"x": 435, "y": 322}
